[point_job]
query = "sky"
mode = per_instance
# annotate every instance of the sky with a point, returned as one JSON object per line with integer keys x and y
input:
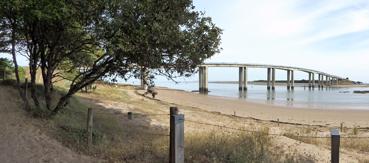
{"x": 326, "y": 35}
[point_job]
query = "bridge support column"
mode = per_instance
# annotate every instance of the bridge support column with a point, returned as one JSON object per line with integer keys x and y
{"x": 273, "y": 78}
{"x": 292, "y": 83}
{"x": 331, "y": 81}
{"x": 327, "y": 81}
{"x": 268, "y": 78}
{"x": 318, "y": 81}
{"x": 203, "y": 79}
{"x": 241, "y": 74}
{"x": 288, "y": 81}
{"x": 245, "y": 78}
{"x": 309, "y": 80}
{"x": 313, "y": 80}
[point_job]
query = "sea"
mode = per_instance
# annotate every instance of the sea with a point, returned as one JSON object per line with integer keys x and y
{"x": 300, "y": 97}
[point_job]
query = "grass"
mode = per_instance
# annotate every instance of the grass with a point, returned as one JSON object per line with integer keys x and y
{"x": 347, "y": 142}
{"x": 118, "y": 139}
{"x": 218, "y": 146}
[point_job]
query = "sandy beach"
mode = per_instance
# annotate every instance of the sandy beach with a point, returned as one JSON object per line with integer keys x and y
{"x": 330, "y": 117}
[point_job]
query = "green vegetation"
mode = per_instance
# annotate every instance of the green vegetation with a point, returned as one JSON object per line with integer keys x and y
{"x": 86, "y": 40}
{"x": 7, "y": 70}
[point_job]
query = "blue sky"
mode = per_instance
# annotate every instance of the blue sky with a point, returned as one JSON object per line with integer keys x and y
{"x": 326, "y": 35}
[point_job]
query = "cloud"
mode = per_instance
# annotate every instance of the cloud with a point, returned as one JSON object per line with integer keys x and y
{"x": 322, "y": 34}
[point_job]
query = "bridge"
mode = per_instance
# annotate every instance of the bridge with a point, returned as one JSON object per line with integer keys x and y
{"x": 321, "y": 82}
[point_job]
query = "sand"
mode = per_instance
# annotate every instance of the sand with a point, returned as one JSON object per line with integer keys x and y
{"x": 199, "y": 108}
{"x": 21, "y": 141}
{"x": 331, "y": 117}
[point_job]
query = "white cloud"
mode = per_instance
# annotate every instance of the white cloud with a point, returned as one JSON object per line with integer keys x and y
{"x": 287, "y": 32}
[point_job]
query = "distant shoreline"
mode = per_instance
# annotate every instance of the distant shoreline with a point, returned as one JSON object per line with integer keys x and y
{"x": 283, "y": 82}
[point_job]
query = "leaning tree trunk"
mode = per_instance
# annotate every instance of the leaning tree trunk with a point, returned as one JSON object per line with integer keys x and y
{"x": 16, "y": 71}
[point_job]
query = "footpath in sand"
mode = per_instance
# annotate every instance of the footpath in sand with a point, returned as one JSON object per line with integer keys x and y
{"x": 327, "y": 117}
{"x": 20, "y": 141}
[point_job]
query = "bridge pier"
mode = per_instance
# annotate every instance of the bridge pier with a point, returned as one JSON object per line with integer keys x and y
{"x": 330, "y": 81}
{"x": 327, "y": 81}
{"x": 292, "y": 83}
{"x": 242, "y": 78}
{"x": 273, "y": 78}
{"x": 288, "y": 81}
{"x": 268, "y": 78}
{"x": 309, "y": 80}
{"x": 203, "y": 79}
{"x": 313, "y": 80}
{"x": 320, "y": 81}
{"x": 245, "y": 78}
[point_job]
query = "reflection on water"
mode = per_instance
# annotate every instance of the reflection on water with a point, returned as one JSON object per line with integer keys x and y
{"x": 300, "y": 97}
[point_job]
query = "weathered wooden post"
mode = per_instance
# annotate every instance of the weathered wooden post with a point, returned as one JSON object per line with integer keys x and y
{"x": 129, "y": 115}
{"x": 25, "y": 88}
{"x": 176, "y": 144}
{"x": 89, "y": 127}
{"x": 335, "y": 145}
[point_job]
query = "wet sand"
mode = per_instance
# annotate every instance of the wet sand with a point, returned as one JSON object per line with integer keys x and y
{"x": 331, "y": 117}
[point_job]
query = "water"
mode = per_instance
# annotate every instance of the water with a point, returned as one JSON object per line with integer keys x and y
{"x": 337, "y": 98}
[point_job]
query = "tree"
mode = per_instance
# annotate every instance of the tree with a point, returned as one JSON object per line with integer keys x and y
{"x": 10, "y": 36}
{"x": 5, "y": 67}
{"x": 108, "y": 38}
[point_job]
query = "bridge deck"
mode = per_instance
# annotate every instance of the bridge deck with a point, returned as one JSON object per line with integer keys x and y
{"x": 268, "y": 66}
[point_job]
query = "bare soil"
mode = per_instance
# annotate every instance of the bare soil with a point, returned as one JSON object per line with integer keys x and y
{"x": 21, "y": 140}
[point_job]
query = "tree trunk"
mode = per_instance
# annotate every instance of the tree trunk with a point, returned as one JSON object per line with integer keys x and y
{"x": 16, "y": 71}
{"x": 33, "y": 73}
{"x": 47, "y": 88}
{"x": 63, "y": 101}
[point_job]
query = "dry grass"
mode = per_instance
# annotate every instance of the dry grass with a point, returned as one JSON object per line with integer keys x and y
{"x": 350, "y": 139}
{"x": 117, "y": 139}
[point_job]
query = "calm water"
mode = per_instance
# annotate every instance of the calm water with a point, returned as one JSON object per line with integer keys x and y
{"x": 342, "y": 98}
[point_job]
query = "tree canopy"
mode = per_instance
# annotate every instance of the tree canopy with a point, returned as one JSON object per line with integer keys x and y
{"x": 106, "y": 38}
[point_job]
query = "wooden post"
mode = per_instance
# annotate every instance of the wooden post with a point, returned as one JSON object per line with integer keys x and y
{"x": 335, "y": 145}
{"x": 89, "y": 127}
{"x": 25, "y": 88}
{"x": 176, "y": 147}
{"x": 129, "y": 115}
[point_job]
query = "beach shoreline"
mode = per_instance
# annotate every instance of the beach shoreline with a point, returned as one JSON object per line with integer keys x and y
{"x": 332, "y": 117}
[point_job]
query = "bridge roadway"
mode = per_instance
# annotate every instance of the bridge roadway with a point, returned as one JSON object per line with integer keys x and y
{"x": 329, "y": 78}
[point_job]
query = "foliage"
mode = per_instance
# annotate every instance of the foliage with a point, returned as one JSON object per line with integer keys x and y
{"x": 6, "y": 67}
{"x": 86, "y": 40}
{"x": 6, "y": 64}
